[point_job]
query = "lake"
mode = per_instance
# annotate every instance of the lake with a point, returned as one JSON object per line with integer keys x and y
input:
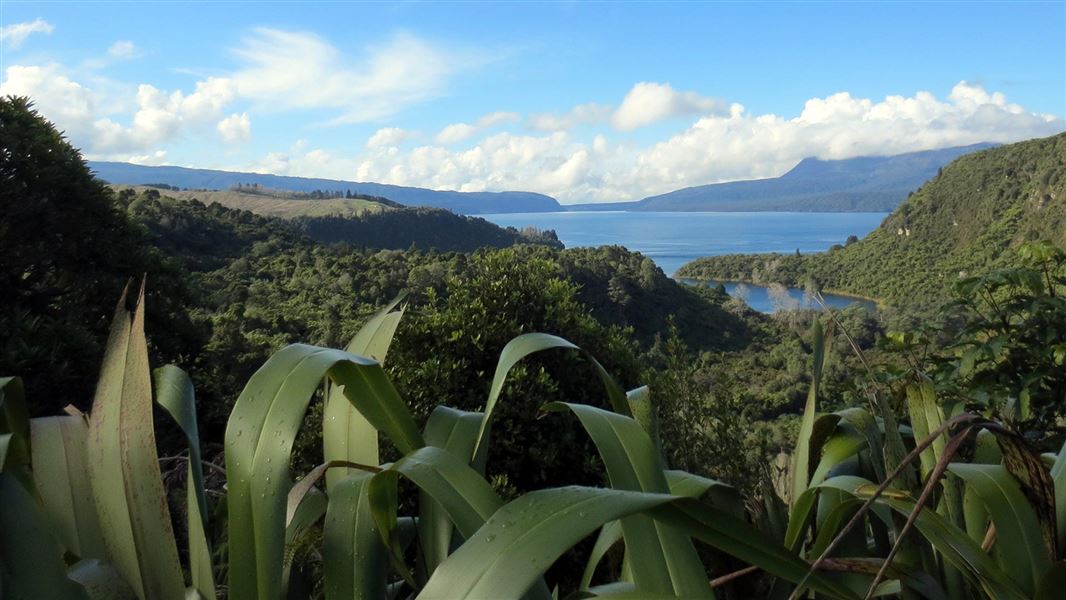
{"x": 761, "y": 299}
{"x": 672, "y": 239}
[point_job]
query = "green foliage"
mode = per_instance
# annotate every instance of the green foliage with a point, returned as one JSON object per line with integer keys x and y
{"x": 841, "y": 541}
{"x": 427, "y": 228}
{"x": 960, "y": 223}
{"x": 1001, "y": 347}
{"x": 508, "y": 548}
{"x": 66, "y": 245}
{"x": 447, "y": 347}
{"x": 627, "y": 289}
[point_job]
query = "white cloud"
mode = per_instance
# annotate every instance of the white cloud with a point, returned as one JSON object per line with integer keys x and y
{"x": 389, "y": 136}
{"x": 729, "y": 144}
{"x": 235, "y": 128}
{"x": 744, "y": 146}
{"x": 158, "y": 116}
{"x": 582, "y": 114}
{"x": 280, "y": 71}
{"x": 122, "y": 49}
{"x": 299, "y": 70}
{"x": 153, "y": 159}
{"x": 208, "y": 99}
{"x": 14, "y": 35}
{"x": 66, "y": 102}
{"x": 458, "y": 132}
{"x": 645, "y": 103}
{"x": 496, "y": 118}
{"x": 553, "y": 164}
{"x": 649, "y": 102}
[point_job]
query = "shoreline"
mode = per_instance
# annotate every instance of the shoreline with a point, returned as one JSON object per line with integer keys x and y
{"x": 876, "y": 301}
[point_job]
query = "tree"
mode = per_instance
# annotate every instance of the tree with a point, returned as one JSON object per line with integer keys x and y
{"x": 68, "y": 249}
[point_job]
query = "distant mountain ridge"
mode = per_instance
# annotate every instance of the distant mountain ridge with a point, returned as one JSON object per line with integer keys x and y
{"x": 861, "y": 184}
{"x": 469, "y": 203}
{"x": 965, "y": 221}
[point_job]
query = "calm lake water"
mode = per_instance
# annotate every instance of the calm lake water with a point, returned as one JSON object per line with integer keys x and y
{"x": 760, "y": 299}
{"x": 672, "y": 239}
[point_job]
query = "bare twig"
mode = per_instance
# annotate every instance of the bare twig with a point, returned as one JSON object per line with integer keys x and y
{"x": 724, "y": 579}
{"x": 861, "y": 513}
{"x": 938, "y": 471}
{"x": 851, "y": 341}
{"x": 990, "y": 538}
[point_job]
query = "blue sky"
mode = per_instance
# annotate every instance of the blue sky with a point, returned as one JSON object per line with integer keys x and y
{"x": 583, "y": 101}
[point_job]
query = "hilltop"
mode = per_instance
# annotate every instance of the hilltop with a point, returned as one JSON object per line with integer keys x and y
{"x": 206, "y": 179}
{"x": 274, "y": 203}
{"x": 960, "y": 223}
{"x": 861, "y": 184}
{"x": 359, "y": 222}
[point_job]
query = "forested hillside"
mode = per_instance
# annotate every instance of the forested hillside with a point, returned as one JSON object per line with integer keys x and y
{"x": 427, "y": 228}
{"x": 964, "y": 221}
{"x": 378, "y": 225}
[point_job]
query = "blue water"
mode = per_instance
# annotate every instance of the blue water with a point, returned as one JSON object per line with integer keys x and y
{"x": 672, "y": 239}
{"x": 759, "y": 297}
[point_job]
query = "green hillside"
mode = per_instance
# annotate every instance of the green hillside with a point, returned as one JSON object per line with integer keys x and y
{"x": 275, "y": 203}
{"x": 361, "y": 222}
{"x": 960, "y": 223}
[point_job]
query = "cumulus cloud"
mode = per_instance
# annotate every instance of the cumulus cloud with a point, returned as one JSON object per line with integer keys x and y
{"x": 582, "y": 114}
{"x": 726, "y": 145}
{"x": 649, "y": 102}
{"x": 458, "y": 132}
{"x": 14, "y": 35}
{"x": 158, "y": 116}
{"x": 741, "y": 145}
{"x": 645, "y": 103}
{"x": 59, "y": 98}
{"x": 389, "y": 136}
{"x": 122, "y": 49}
{"x": 552, "y": 163}
{"x": 153, "y": 159}
{"x": 299, "y": 70}
{"x": 235, "y": 128}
